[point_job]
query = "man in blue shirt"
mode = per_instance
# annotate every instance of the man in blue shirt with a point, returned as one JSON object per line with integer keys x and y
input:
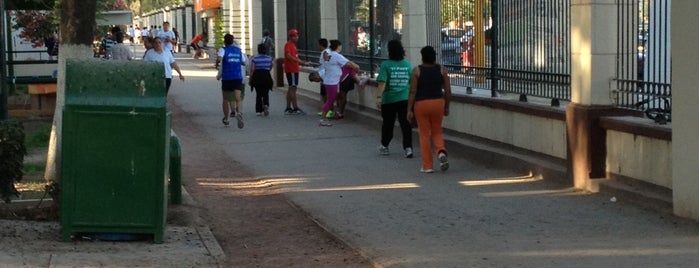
{"x": 230, "y": 73}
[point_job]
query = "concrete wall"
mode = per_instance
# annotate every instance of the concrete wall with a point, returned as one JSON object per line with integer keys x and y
{"x": 685, "y": 130}
{"x": 639, "y": 157}
{"x": 534, "y": 133}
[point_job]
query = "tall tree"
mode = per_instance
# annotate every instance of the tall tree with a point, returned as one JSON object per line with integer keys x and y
{"x": 77, "y": 19}
{"x": 384, "y": 27}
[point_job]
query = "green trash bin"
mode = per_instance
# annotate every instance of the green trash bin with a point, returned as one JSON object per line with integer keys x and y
{"x": 115, "y": 142}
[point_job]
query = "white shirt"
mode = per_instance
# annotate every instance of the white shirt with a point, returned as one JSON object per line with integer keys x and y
{"x": 165, "y": 36}
{"x": 321, "y": 68}
{"x": 165, "y": 57}
{"x": 333, "y": 68}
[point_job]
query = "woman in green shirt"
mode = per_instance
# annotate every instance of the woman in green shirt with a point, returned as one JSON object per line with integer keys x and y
{"x": 392, "y": 97}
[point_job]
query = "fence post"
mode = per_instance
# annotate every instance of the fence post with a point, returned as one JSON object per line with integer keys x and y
{"x": 494, "y": 46}
{"x": 372, "y": 43}
{"x": 479, "y": 49}
{"x": 3, "y": 64}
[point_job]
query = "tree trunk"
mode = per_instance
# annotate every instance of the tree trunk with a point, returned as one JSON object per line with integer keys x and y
{"x": 386, "y": 11}
{"x": 76, "y": 28}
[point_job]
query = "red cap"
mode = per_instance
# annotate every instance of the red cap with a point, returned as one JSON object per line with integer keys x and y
{"x": 293, "y": 32}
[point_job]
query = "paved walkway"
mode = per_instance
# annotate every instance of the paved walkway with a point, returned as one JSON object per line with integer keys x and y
{"x": 469, "y": 216}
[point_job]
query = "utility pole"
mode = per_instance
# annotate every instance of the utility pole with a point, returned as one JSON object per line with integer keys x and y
{"x": 3, "y": 64}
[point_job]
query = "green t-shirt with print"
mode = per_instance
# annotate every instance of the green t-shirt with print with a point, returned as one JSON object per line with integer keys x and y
{"x": 396, "y": 75}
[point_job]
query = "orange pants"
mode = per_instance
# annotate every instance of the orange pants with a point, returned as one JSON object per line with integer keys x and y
{"x": 429, "y": 115}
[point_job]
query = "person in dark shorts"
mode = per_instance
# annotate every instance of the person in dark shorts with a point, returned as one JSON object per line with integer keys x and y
{"x": 231, "y": 75}
{"x": 292, "y": 64}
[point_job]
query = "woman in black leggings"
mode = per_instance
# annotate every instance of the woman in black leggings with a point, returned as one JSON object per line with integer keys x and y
{"x": 392, "y": 97}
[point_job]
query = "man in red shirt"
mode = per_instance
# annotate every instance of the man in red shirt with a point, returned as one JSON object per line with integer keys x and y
{"x": 292, "y": 69}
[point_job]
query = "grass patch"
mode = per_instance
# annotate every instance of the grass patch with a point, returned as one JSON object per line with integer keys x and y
{"x": 38, "y": 138}
{"x": 33, "y": 168}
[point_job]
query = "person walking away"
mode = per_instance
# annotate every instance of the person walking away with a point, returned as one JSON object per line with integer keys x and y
{"x": 137, "y": 34}
{"x": 392, "y": 97}
{"x": 331, "y": 80}
{"x": 131, "y": 34}
{"x": 231, "y": 77}
{"x": 144, "y": 33}
{"x": 428, "y": 103}
{"x": 292, "y": 68}
{"x": 268, "y": 42}
{"x": 244, "y": 73}
{"x": 176, "y": 42}
{"x": 119, "y": 51}
{"x": 261, "y": 79}
{"x": 168, "y": 37}
{"x": 157, "y": 54}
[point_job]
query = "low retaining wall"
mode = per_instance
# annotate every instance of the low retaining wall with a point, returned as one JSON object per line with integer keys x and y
{"x": 640, "y": 149}
{"x": 528, "y": 126}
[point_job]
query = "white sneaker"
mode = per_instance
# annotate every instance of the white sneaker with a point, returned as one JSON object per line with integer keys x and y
{"x": 383, "y": 150}
{"x": 408, "y": 152}
{"x": 426, "y": 170}
{"x": 324, "y": 123}
{"x": 443, "y": 162}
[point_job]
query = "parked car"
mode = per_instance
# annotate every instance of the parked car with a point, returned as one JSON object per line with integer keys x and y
{"x": 451, "y": 45}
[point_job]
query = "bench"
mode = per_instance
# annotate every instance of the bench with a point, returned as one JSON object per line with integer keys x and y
{"x": 43, "y": 96}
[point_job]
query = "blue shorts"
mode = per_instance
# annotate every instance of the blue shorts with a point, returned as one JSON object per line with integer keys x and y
{"x": 292, "y": 79}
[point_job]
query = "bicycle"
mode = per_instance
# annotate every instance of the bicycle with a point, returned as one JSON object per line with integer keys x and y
{"x": 661, "y": 115}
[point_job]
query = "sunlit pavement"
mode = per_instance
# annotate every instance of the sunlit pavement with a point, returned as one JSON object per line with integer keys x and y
{"x": 468, "y": 216}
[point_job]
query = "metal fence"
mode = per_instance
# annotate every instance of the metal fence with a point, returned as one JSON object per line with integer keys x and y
{"x": 520, "y": 47}
{"x": 644, "y": 70}
{"x": 364, "y": 28}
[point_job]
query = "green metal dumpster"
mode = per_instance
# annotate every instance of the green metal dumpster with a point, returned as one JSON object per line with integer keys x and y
{"x": 115, "y": 142}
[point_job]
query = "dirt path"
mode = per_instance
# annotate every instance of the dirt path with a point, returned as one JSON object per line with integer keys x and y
{"x": 255, "y": 225}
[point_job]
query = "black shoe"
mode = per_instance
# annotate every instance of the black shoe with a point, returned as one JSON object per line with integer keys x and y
{"x": 232, "y": 114}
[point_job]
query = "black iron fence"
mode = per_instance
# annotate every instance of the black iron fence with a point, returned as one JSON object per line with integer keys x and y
{"x": 516, "y": 46}
{"x": 644, "y": 70}
{"x": 520, "y": 47}
{"x": 364, "y": 28}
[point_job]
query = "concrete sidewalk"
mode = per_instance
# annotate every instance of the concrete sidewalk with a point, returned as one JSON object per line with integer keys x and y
{"x": 187, "y": 243}
{"x": 473, "y": 215}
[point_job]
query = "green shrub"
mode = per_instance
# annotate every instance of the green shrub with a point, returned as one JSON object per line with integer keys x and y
{"x": 12, "y": 151}
{"x": 39, "y": 138}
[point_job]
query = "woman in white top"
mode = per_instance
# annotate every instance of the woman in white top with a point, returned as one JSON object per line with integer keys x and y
{"x": 160, "y": 55}
{"x": 331, "y": 79}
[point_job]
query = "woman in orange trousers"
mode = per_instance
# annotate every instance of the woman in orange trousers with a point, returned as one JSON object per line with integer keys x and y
{"x": 428, "y": 103}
